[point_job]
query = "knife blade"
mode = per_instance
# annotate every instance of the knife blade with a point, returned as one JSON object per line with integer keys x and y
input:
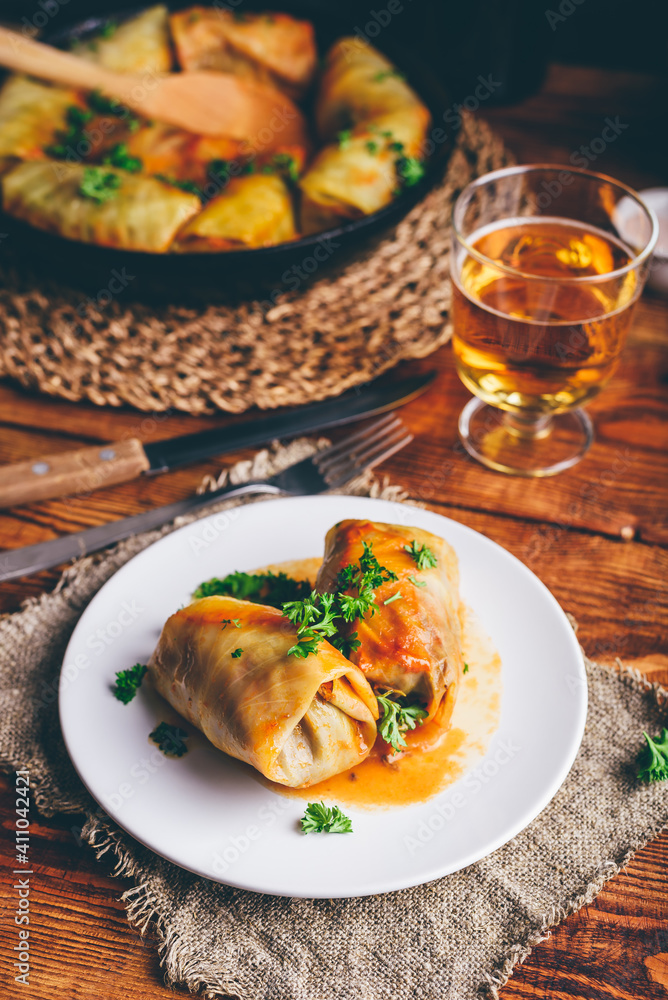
{"x": 87, "y": 469}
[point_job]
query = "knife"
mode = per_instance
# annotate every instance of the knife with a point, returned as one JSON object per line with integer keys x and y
{"x": 89, "y": 469}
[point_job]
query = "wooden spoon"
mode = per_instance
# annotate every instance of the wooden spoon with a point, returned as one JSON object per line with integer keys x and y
{"x": 206, "y": 103}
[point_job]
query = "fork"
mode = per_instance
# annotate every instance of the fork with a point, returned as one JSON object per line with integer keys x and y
{"x": 329, "y": 469}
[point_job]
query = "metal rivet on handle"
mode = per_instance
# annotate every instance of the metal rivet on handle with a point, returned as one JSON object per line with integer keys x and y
{"x": 107, "y": 454}
{"x": 41, "y": 468}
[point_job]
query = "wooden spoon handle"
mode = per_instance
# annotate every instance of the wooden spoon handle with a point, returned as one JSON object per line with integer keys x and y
{"x": 71, "y": 472}
{"x": 47, "y": 63}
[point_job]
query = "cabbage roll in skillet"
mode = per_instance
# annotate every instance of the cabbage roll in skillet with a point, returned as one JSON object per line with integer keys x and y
{"x": 139, "y": 45}
{"x": 31, "y": 113}
{"x": 378, "y": 125}
{"x": 251, "y": 211}
{"x": 359, "y": 84}
{"x": 273, "y": 48}
{"x": 120, "y": 210}
{"x": 413, "y": 641}
{"x": 224, "y": 665}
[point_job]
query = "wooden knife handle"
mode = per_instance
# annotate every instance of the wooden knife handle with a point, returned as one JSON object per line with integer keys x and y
{"x": 71, "y": 472}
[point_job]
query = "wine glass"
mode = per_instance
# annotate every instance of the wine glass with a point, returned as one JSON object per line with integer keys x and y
{"x": 547, "y": 265}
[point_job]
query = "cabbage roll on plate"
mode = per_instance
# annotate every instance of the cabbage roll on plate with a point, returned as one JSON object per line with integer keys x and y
{"x": 225, "y": 666}
{"x": 412, "y": 643}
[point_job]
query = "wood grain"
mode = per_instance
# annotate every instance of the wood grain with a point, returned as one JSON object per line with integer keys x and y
{"x": 597, "y": 536}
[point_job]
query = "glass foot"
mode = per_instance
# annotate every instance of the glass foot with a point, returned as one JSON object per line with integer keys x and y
{"x": 522, "y": 444}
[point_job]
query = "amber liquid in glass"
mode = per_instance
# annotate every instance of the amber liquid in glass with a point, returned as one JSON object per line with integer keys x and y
{"x": 527, "y": 343}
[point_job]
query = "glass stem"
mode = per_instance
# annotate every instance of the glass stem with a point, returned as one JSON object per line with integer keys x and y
{"x": 528, "y": 426}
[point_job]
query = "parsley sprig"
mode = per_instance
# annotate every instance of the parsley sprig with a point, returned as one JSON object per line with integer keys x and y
{"x": 99, "y": 185}
{"x": 396, "y": 719}
{"x": 319, "y": 616}
{"x": 170, "y": 739}
{"x": 118, "y": 156}
{"x": 653, "y": 759}
{"x": 319, "y": 818}
{"x": 261, "y": 588}
{"x": 128, "y": 682}
{"x": 423, "y": 556}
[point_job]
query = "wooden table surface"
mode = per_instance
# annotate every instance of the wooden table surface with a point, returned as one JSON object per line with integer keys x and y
{"x": 597, "y": 536}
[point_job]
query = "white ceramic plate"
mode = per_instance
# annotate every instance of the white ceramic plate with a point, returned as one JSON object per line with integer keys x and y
{"x": 206, "y": 813}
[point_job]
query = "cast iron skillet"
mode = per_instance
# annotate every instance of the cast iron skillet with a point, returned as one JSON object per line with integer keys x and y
{"x": 238, "y": 273}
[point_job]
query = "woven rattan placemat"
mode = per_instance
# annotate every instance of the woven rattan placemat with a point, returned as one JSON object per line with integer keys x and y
{"x": 336, "y": 331}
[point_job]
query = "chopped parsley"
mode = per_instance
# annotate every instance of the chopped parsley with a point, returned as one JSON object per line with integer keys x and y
{"x": 111, "y": 106}
{"x": 653, "y": 759}
{"x": 386, "y": 73}
{"x": 230, "y": 621}
{"x": 76, "y": 119}
{"x": 416, "y": 582}
{"x": 220, "y": 170}
{"x": 466, "y": 668}
{"x": 396, "y": 719}
{"x": 99, "y": 185}
{"x": 409, "y": 170}
{"x": 119, "y": 157}
{"x": 395, "y": 597}
{"x": 109, "y": 29}
{"x": 186, "y": 185}
{"x": 283, "y": 163}
{"x": 128, "y": 682}
{"x": 236, "y": 653}
{"x": 344, "y": 138}
{"x": 372, "y": 146}
{"x": 318, "y": 616}
{"x": 261, "y": 588}
{"x": 421, "y": 554}
{"x": 319, "y": 818}
{"x": 170, "y": 739}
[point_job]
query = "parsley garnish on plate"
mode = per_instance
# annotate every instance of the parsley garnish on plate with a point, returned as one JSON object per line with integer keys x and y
{"x": 285, "y": 164}
{"x": 386, "y": 73}
{"x": 422, "y": 555}
{"x": 128, "y": 682}
{"x": 230, "y": 621}
{"x": 109, "y": 29}
{"x": 119, "y": 157}
{"x": 99, "y": 185}
{"x": 236, "y": 653}
{"x": 372, "y": 146}
{"x": 417, "y": 583}
{"x": 653, "y": 759}
{"x": 466, "y": 668}
{"x": 396, "y": 719}
{"x": 170, "y": 739}
{"x": 344, "y": 138}
{"x": 318, "y": 616}
{"x": 273, "y": 589}
{"x": 395, "y": 597}
{"x": 319, "y": 818}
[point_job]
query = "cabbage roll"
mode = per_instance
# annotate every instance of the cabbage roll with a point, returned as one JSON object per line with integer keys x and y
{"x": 139, "y": 45}
{"x": 413, "y": 641}
{"x": 224, "y": 665}
{"x": 361, "y": 173}
{"x": 379, "y": 126}
{"x": 31, "y": 113}
{"x": 273, "y": 48}
{"x": 359, "y": 85}
{"x": 138, "y": 213}
{"x": 254, "y": 210}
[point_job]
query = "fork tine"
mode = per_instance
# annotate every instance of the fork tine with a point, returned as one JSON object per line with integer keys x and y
{"x": 361, "y": 452}
{"x": 344, "y": 445}
{"x": 368, "y": 460}
{"x": 353, "y": 444}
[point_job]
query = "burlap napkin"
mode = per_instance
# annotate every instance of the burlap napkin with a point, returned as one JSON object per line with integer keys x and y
{"x": 454, "y": 939}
